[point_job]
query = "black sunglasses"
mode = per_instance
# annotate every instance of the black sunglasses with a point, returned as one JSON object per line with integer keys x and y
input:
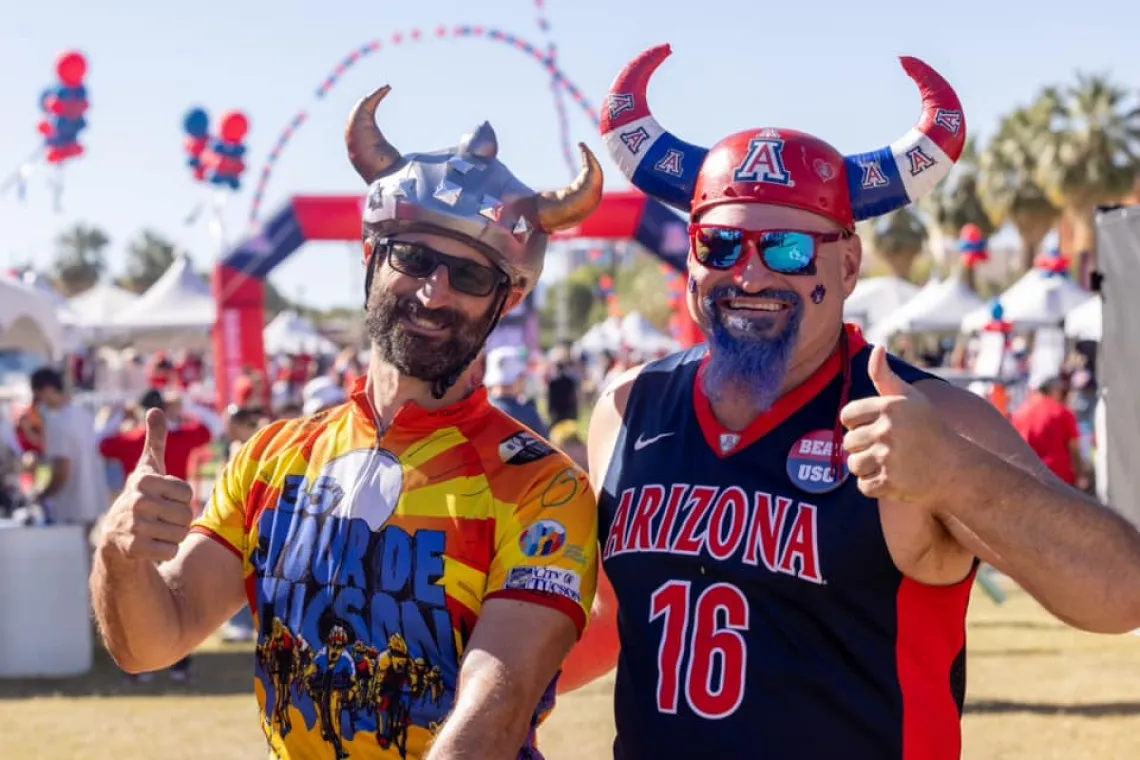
{"x": 466, "y": 276}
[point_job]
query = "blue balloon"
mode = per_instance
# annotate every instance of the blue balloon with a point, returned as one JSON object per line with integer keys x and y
{"x": 47, "y": 93}
{"x": 196, "y": 123}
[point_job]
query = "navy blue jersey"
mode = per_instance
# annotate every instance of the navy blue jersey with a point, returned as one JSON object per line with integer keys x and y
{"x": 761, "y": 614}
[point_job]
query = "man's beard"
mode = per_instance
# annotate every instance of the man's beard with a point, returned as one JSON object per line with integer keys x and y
{"x": 419, "y": 356}
{"x": 744, "y": 354}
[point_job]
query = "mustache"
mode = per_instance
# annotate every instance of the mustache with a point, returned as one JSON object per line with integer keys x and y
{"x": 724, "y": 292}
{"x": 444, "y": 316}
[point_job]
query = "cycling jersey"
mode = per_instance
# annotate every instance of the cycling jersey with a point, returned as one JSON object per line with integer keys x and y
{"x": 367, "y": 558}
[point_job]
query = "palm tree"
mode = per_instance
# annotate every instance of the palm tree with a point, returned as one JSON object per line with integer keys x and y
{"x": 957, "y": 202}
{"x": 1009, "y": 188}
{"x": 897, "y": 240}
{"x": 79, "y": 258}
{"x": 1091, "y": 152}
{"x": 148, "y": 258}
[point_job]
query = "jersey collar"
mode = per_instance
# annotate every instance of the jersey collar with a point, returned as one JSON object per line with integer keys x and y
{"x": 412, "y": 416}
{"x": 725, "y": 442}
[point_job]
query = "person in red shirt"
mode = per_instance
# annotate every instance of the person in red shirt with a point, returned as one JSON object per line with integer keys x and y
{"x": 1050, "y": 429}
{"x": 186, "y": 434}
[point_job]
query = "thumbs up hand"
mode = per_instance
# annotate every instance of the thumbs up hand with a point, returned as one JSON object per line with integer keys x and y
{"x": 154, "y": 444}
{"x": 153, "y": 513}
{"x": 894, "y": 439}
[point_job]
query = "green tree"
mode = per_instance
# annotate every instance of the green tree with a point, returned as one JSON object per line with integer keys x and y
{"x": 957, "y": 202}
{"x": 1090, "y": 153}
{"x": 1009, "y": 187}
{"x": 898, "y": 239}
{"x": 640, "y": 287}
{"x": 578, "y": 295}
{"x": 148, "y": 258}
{"x": 80, "y": 258}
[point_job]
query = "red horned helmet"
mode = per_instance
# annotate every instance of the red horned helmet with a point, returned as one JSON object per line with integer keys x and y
{"x": 782, "y": 166}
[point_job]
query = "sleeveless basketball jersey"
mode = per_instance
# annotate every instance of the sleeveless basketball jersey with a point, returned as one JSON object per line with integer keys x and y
{"x": 761, "y": 614}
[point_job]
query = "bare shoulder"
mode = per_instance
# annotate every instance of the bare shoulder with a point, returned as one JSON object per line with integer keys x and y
{"x": 605, "y": 422}
{"x": 978, "y": 421}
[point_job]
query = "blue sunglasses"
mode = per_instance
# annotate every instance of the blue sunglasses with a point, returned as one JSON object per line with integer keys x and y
{"x": 782, "y": 251}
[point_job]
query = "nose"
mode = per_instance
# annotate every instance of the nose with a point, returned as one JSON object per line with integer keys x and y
{"x": 751, "y": 275}
{"x": 435, "y": 289}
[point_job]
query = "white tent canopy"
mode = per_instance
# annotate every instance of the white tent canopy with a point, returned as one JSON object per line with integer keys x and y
{"x": 875, "y": 298}
{"x": 290, "y": 333}
{"x": 1086, "y": 321}
{"x": 638, "y": 333}
{"x": 1036, "y": 300}
{"x": 28, "y": 320}
{"x": 633, "y": 331}
{"x": 938, "y": 307}
{"x": 99, "y": 305}
{"x": 180, "y": 300}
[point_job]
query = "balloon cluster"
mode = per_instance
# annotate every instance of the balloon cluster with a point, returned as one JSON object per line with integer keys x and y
{"x": 216, "y": 159}
{"x": 1052, "y": 263}
{"x": 972, "y": 246}
{"x": 64, "y": 106}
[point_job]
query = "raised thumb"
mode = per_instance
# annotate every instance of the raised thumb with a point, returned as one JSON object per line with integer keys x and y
{"x": 154, "y": 445}
{"x": 886, "y": 382}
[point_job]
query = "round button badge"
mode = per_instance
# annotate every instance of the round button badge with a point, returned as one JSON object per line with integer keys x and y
{"x": 809, "y": 463}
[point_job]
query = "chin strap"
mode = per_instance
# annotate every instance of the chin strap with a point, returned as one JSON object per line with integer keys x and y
{"x": 440, "y": 387}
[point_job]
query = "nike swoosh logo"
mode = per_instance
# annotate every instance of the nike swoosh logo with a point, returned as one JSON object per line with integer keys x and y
{"x": 641, "y": 443}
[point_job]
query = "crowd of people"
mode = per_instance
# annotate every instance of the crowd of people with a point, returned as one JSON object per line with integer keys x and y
{"x": 790, "y": 519}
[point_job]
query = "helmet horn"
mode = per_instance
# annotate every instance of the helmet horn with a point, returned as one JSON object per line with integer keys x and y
{"x": 369, "y": 151}
{"x": 654, "y": 160}
{"x": 889, "y": 178}
{"x": 568, "y": 207}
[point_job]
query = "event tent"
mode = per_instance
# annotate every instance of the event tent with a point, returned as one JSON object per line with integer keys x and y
{"x": 28, "y": 320}
{"x": 875, "y": 298}
{"x": 1086, "y": 322}
{"x": 1038, "y": 299}
{"x": 937, "y": 308}
{"x": 98, "y": 306}
{"x": 290, "y": 333}
{"x": 180, "y": 300}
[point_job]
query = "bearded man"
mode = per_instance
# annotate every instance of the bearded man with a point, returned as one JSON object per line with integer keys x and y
{"x": 415, "y": 511}
{"x": 786, "y": 587}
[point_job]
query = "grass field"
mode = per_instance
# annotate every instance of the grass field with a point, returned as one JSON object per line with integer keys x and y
{"x": 1037, "y": 690}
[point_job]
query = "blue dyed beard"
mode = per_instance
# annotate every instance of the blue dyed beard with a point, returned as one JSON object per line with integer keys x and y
{"x": 747, "y": 358}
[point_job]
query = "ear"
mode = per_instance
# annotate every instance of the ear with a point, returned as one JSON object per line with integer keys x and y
{"x": 852, "y": 264}
{"x": 514, "y": 298}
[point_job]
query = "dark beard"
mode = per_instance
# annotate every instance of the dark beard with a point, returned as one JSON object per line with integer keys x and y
{"x": 748, "y": 359}
{"x": 418, "y": 356}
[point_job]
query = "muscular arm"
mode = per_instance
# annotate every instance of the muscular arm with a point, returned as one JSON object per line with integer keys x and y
{"x": 1077, "y": 557}
{"x": 152, "y": 615}
{"x": 513, "y": 655}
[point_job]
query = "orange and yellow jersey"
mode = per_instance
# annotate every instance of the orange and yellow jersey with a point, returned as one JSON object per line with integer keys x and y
{"x": 367, "y": 558}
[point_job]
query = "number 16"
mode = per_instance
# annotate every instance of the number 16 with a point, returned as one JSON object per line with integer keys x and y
{"x": 709, "y": 640}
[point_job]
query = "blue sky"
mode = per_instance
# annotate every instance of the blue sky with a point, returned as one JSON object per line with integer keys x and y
{"x": 824, "y": 67}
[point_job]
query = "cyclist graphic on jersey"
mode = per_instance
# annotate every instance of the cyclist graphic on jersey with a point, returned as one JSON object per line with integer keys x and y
{"x": 329, "y": 680}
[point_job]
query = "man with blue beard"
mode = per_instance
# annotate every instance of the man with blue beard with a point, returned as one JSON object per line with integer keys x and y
{"x": 785, "y": 584}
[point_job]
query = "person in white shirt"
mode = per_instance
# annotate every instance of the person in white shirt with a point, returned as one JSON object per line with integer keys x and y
{"x": 77, "y": 491}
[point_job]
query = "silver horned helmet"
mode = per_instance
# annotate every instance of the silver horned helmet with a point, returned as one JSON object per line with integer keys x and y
{"x": 465, "y": 192}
